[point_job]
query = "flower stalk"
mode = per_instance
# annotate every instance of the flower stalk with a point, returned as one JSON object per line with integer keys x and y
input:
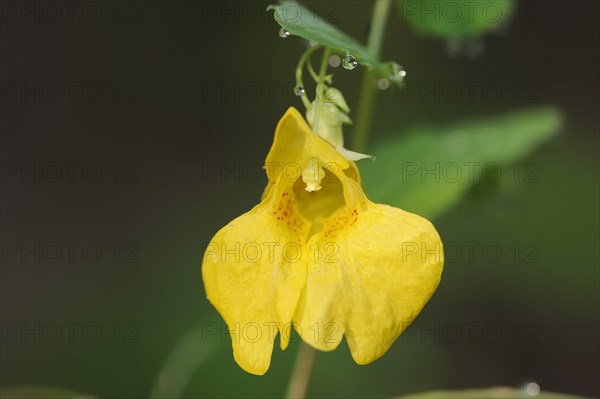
{"x": 367, "y": 96}
{"x": 320, "y": 96}
{"x": 302, "y": 372}
{"x": 299, "y": 80}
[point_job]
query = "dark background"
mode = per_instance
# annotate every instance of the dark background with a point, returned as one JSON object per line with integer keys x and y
{"x": 164, "y": 89}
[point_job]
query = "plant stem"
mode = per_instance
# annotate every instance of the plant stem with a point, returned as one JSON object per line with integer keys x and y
{"x": 367, "y": 96}
{"x": 300, "y": 67}
{"x": 301, "y": 373}
{"x": 320, "y": 92}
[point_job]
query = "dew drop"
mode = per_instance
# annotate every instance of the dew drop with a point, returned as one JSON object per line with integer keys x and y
{"x": 398, "y": 72}
{"x": 335, "y": 61}
{"x": 383, "y": 84}
{"x": 299, "y": 91}
{"x": 531, "y": 389}
{"x": 373, "y": 158}
{"x": 349, "y": 62}
{"x": 283, "y": 33}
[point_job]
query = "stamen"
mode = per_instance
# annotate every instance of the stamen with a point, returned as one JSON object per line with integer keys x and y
{"x": 312, "y": 175}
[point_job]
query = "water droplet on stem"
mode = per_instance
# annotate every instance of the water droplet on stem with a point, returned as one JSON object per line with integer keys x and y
{"x": 283, "y": 33}
{"x": 349, "y": 62}
{"x": 398, "y": 72}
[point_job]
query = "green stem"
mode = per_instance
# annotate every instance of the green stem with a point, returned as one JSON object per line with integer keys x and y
{"x": 367, "y": 96}
{"x": 301, "y": 373}
{"x": 299, "y": 68}
{"x": 312, "y": 71}
{"x": 320, "y": 93}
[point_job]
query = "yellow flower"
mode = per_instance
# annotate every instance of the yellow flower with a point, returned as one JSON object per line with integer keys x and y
{"x": 317, "y": 256}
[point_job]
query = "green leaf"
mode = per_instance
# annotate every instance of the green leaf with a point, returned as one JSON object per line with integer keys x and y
{"x": 455, "y": 19}
{"x": 488, "y": 393}
{"x": 427, "y": 170}
{"x": 188, "y": 355}
{"x": 41, "y": 392}
{"x": 300, "y": 21}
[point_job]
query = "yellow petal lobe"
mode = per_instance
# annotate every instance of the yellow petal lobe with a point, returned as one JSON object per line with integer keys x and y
{"x": 376, "y": 268}
{"x": 254, "y": 270}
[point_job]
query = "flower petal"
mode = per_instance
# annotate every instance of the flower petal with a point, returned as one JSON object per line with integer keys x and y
{"x": 254, "y": 270}
{"x": 371, "y": 278}
{"x": 294, "y": 144}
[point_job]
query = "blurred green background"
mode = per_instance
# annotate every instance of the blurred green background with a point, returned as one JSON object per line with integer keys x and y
{"x": 203, "y": 83}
